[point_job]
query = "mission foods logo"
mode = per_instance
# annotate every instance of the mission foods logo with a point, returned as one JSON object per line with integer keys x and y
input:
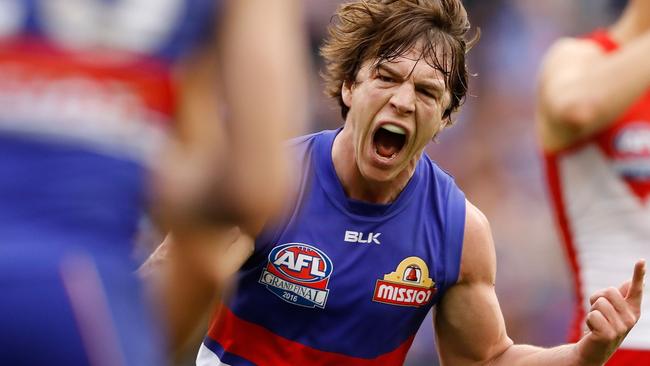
{"x": 409, "y": 285}
{"x": 298, "y": 273}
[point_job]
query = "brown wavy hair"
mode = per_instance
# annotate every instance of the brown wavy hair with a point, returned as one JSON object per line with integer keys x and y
{"x": 383, "y": 30}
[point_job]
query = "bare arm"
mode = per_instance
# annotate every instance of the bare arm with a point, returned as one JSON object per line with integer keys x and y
{"x": 237, "y": 98}
{"x": 240, "y": 98}
{"x": 582, "y": 89}
{"x": 264, "y": 54}
{"x": 188, "y": 272}
{"x": 471, "y": 331}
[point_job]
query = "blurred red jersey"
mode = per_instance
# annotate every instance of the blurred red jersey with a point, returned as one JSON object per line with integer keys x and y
{"x": 600, "y": 189}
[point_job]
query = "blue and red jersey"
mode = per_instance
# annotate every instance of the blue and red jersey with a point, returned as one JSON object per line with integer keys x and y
{"x": 339, "y": 281}
{"x": 87, "y": 97}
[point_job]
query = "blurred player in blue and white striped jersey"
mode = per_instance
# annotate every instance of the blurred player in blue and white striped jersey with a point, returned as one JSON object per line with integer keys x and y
{"x": 105, "y": 107}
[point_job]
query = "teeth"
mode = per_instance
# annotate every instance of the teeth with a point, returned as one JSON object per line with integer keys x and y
{"x": 394, "y": 129}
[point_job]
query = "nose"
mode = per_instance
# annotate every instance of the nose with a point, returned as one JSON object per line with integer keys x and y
{"x": 403, "y": 99}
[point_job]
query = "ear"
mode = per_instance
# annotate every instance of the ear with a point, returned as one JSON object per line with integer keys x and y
{"x": 346, "y": 93}
{"x": 446, "y": 121}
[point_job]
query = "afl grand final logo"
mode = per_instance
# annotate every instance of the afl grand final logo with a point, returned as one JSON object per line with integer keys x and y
{"x": 409, "y": 285}
{"x": 298, "y": 274}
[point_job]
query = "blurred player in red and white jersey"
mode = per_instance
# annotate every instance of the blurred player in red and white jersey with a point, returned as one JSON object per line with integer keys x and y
{"x": 106, "y": 107}
{"x": 594, "y": 124}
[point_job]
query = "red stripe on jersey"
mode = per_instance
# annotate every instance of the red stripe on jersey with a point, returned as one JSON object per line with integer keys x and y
{"x": 628, "y": 357}
{"x": 553, "y": 177}
{"x": 601, "y": 37}
{"x": 262, "y": 347}
{"x": 148, "y": 78}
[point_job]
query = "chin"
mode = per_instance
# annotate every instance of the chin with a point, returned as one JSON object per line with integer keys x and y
{"x": 372, "y": 174}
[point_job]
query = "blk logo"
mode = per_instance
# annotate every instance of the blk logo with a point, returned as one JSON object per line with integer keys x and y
{"x": 357, "y": 237}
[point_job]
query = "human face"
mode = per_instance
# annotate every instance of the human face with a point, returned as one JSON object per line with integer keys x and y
{"x": 396, "y": 108}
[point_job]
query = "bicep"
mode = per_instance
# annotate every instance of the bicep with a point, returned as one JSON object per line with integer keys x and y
{"x": 469, "y": 324}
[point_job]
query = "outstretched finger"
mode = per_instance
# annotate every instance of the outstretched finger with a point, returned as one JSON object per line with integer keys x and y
{"x": 635, "y": 291}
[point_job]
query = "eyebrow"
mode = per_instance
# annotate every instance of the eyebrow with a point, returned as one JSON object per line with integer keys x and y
{"x": 436, "y": 86}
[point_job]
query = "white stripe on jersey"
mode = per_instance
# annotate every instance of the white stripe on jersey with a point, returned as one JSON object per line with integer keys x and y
{"x": 610, "y": 228}
{"x": 206, "y": 357}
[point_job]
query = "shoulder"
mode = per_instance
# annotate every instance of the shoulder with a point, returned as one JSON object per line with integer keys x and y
{"x": 303, "y": 145}
{"x": 561, "y": 90}
{"x": 443, "y": 192}
{"x": 299, "y": 150}
{"x": 478, "y": 259}
{"x": 446, "y": 197}
{"x": 570, "y": 51}
{"x": 430, "y": 168}
{"x": 303, "y": 140}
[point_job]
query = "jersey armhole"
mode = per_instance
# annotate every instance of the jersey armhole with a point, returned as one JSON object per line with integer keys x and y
{"x": 454, "y": 234}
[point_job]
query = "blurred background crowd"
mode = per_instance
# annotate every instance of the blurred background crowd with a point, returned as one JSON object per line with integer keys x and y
{"x": 493, "y": 153}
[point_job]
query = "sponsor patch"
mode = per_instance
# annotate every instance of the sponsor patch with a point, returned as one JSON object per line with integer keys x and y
{"x": 631, "y": 148}
{"x": 298, "y": 274}
{"x": 633, "y": 141}
{"x": 409, "y": 285}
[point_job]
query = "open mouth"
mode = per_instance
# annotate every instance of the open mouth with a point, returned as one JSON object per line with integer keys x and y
{"x": 389, "y": 140}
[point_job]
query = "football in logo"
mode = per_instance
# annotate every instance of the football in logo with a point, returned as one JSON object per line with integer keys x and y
{"x": 409, "y": 285}
{"x": 299, "y": 274}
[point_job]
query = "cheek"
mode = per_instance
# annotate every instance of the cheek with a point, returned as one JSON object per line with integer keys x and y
{"x": 370, "y": 97}
{"x": 429, "y": 124}
{"x": 368, "y": 103}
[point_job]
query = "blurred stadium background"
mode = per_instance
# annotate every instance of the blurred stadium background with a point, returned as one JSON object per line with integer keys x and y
{"x": 493, "y": 153}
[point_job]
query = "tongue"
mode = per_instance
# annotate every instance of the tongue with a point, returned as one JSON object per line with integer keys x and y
{"x": 387, "y": 143}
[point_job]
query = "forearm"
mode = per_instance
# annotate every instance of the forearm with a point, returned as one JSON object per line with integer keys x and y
{"x": 187, "y": 273}
{"x": 525, "y": 355}
{"x": 181, "y": 290}
{"x": 188, "y": 297}
{"x": 470, "y": 330}
{"x": 265, "y": 87}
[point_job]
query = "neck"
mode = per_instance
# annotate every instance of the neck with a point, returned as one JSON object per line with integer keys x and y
{"x": 634, "y": 21}
{"x": 355, "y": 185}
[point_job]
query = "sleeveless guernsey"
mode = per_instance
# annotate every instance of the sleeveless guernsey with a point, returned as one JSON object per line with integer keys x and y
{"x": 338, "y": 281}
